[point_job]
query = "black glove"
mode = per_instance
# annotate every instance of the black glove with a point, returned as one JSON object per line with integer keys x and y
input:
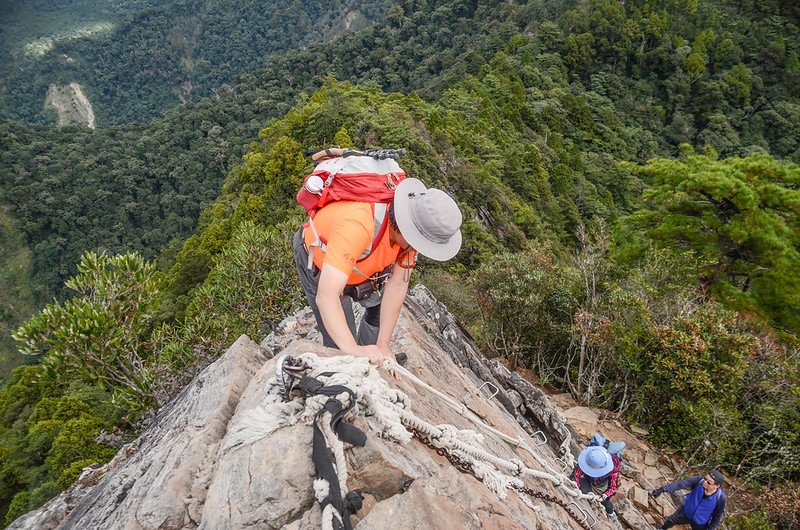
{"x": 656, "y": 493}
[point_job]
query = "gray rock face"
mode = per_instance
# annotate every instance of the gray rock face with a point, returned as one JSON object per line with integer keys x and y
{"x": 228, "y": 453}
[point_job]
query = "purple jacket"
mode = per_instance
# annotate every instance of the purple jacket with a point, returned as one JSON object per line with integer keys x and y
{"x": 700, "y": 508}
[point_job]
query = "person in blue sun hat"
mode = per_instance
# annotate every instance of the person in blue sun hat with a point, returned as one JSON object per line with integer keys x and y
{"x": 598, "y": 471}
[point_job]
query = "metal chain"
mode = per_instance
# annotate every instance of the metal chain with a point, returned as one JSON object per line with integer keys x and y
{"x": 466, "y": 467}
{"x": 288, "y": 371}
{"x": 462, "y": 465}
{"x": 549, "y": 497}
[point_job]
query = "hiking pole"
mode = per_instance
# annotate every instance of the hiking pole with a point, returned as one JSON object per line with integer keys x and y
{"x": 380, "y": 154}
{"x": 318, "y": 155}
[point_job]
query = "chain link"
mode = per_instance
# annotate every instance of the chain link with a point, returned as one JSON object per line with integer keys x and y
{"x": 549, "y": 497}
{"x": 466, "y": 467}
{"x": 462, "y": 465}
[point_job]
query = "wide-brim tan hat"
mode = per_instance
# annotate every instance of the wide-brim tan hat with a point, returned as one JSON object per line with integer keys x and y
{"x": 429, "y": 219}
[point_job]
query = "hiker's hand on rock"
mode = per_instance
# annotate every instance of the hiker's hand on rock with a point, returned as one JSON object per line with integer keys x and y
{"x": 656, "y": 493}
{"x": 371, "y": 352}
{"x": 389, "y": 354}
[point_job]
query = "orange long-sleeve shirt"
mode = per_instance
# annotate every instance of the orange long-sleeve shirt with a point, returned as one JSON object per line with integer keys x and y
{"x": 347, "y": 228}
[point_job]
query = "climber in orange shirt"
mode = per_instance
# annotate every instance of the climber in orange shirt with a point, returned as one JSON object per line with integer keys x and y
{"x": 420, "y": 221}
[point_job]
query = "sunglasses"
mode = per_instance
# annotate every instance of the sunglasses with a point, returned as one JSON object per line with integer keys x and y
{"x": 710, "y": 481}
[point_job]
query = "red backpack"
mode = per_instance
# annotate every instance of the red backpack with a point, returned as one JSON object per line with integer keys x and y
{"x": 347, "y": 175}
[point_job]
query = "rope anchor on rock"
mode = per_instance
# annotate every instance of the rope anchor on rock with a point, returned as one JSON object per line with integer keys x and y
{"x": 357, "y": 386}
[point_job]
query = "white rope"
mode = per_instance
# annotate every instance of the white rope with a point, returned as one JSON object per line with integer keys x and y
{"x": 391, "y": 410}
{"x": 259, "y": 422}
{"x": 322, "y": 488}
{"x": 387, "y": 411}
{"x": 497, "y": 482}
{"x": 337, "y": 448}
{"x": 558, "y": 479}
{"x": 566, "y": 454}
{"x": 375, "y": 400}
{"x": 327, "y": 517}
{"x": 443, "y": 439}
{"x": 340, "y": 464}
{"x": 347, "y": 372}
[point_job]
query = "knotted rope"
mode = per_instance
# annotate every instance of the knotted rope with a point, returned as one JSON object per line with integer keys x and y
{"x": 557, "y": 478}
{"x": 388, "y": 412}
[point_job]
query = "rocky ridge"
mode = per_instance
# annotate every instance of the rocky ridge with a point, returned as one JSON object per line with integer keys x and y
{"x": 227, "y": 454}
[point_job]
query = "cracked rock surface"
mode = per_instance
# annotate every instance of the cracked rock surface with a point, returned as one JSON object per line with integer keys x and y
{"x": 203, "y": 463}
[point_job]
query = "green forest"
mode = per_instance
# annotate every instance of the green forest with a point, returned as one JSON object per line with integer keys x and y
{"x": 138, "y": 60}
{"x": 628, "y": 174}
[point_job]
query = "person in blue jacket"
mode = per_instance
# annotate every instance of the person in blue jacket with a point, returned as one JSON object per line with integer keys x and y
{"x": 703, "y": 506}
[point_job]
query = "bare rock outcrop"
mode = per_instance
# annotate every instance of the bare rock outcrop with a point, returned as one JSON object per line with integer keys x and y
{"x": 227, "y": 453}
{"x": 71, "y": 104}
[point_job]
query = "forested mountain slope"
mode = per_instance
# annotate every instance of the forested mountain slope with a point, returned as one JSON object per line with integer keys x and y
{"x": 17, "y": 302}
{"x": 138, "y": 187}
{"x": 141, "y": 59}
{"x": 631, "y": 219}
{"x": 633, "y": 58}
{"x": 615, "y": 344}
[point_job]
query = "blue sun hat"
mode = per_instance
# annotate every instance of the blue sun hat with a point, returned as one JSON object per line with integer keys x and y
{"x": 595, "y": 462}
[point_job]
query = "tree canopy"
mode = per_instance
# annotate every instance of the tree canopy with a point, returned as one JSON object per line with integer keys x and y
{"x": 741, "y": 217}
{"x": 569, "y": 134}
